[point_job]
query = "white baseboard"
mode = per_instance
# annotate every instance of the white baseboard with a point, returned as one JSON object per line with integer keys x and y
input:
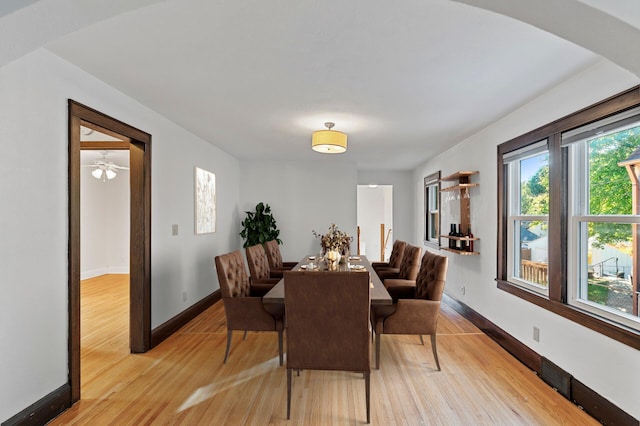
{"x": 93, "y": 273}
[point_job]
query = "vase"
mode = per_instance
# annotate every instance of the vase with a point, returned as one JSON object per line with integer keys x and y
{"x": 332, "y": 257}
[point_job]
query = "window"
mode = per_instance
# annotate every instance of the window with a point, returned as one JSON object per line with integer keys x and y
{"x": 432, "y": 209}
{"x": 527, "y": 254}
{"x": 569, "y": 217}
{"x": 603, "y": 221}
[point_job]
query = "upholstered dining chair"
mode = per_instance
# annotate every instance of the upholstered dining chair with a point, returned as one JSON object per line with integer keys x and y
{"x": 244, "y": 310}
{"x": 393, "y": 265}
{"x": 417, "y": 315}
{"x": 276, "y": 265}
{"x": 327, "y": 324}
{"x": 397, "y": 283}
{"x": 261, "y": 279}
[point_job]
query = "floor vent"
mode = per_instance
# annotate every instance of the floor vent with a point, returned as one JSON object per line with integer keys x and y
{"x": 556, "y": 377}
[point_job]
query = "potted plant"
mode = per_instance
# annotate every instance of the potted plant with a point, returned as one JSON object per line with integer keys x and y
{"x": 259, "y": 226}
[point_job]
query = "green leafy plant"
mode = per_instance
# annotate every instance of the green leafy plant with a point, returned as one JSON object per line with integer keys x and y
{"x": 259, "y": 226}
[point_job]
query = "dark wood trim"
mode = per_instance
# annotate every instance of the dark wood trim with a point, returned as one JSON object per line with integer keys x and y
{"x": 598, "y": 407}
{"x": 140, "y": 240}
{"x": 554, "y": 232}
{"x": 43, "y": 410}
{"x": 100, "y": 145}
{"x": 74, "y": 256}
{"x": 593, "y": 403}
{"x": 616, "y": 331}
{"x": 160, "y": 333}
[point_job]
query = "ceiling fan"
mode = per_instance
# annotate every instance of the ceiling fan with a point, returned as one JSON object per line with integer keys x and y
{"x": 104, "y": 169}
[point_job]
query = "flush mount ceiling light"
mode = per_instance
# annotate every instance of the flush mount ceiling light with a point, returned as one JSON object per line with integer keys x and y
{"x": 329, "y": 141}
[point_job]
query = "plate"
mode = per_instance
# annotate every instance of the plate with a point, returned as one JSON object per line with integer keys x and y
{"x": 357, "y": 267}
{"x": 311, "y": 258}
{"x": 354, "y": 258}
{"x": 307, "y": 267}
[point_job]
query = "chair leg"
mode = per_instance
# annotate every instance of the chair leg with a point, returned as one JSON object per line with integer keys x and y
{"x": 288, "y": 393}
{"x": 435, "y": 350}
{"x": 421, "y": 341}
{"x": 245, "y": 335}
{"x": 226, "y": 354}
{"x": 367, "y": 383}
{"x": 377, "y": 351}
{"x": 280, "y": 346}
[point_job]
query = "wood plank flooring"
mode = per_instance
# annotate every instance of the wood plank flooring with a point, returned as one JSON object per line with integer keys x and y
{"x": 183, "y": 380}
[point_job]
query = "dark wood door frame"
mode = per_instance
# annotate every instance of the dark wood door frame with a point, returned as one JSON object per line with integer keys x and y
{"x": 140, "y": 238}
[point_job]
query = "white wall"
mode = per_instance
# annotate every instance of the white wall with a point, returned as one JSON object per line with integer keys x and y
{"x": 303, "y": 197}
{"x": 606, "y": 366}
{"x": 33, "y": 183}
{"x": 104, "y": 224}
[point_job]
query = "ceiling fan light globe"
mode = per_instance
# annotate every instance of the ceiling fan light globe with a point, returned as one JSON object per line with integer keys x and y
{"x": 110, "y": 174}
{"x": 97, "y": 173}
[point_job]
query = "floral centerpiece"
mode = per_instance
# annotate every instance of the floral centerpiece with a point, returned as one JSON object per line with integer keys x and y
{"x": 334, "y": 241}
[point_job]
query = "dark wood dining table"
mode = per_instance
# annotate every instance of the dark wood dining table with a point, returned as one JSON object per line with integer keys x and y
{"x": 273, "y": 301}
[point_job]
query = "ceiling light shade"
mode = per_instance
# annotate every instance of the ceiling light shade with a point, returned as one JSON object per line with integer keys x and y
{"x": 329, "y": 141}
{"x": 110, "y": 174}
{"x": 97, "y": 173}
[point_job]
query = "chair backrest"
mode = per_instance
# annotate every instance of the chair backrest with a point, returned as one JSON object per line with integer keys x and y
{"x": 327, "y": 320}
{"x": 410, "y": 263}
{"x": 397, "y": 252}
{"x": 232, "y": 275}
{"x": 273, "y": 254}
{"x": 432, "y": 276}
{"x": 258, "y": 262}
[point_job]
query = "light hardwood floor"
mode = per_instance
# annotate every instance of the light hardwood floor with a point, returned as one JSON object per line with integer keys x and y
{"x": 183, "y": 380}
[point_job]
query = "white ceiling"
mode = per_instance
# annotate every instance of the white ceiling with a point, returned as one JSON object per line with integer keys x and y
{"x": 405, "y": 80}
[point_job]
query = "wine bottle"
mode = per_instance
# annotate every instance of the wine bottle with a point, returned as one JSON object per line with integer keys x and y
{"x": 452, "y": 233}
{"x": 462, "y": 244}
{"x": 470, "y": 243}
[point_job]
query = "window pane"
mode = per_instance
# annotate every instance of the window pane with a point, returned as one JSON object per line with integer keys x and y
{"x": 609, "y": 183}
{"x": 433, "y": 231}
{"x": 534, "y": 185}
{"x": 608, "y": 267}
{"x": 533, "y": 261}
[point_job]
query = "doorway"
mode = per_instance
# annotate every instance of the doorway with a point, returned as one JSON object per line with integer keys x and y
{"x": 375, "y": 221}
{"x": 139, "y": 145}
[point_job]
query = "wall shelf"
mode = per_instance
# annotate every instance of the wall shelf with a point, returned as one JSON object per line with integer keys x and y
{"x": 461, "y": 182}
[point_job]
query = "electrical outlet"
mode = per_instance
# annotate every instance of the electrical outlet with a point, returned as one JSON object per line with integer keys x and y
{"x": 174, "y": 229}
{"x": 463, "y": 289}
{"x": 184, "y": 296}
{"x": 536, "y": 333}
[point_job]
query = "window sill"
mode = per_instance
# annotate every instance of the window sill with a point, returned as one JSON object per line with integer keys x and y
{"x": 618, "y": 332}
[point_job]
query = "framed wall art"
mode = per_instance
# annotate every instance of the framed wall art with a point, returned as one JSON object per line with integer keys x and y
{"x": 205, "y": 196}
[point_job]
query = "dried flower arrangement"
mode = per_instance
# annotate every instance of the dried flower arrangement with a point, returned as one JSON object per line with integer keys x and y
{"x": 334, "y": 240}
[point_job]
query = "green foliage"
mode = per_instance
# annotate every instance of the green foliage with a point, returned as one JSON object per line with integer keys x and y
{"x": 535, "y": 193}
{"x": 609, "y": 184}
{"x": 259, "y": 226}
{"x": 610, "y": 191}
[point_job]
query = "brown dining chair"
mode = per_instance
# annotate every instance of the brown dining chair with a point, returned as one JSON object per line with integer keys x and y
{"x": 244, "y": 310}
{"x": 406, "y": 275}
{"x": 261, "y": 279}
{"x": 327, "y": 324}
{"x": 417, "y": 315}
{"x": 276, "y": 265}
{"x": 393, "y": 265}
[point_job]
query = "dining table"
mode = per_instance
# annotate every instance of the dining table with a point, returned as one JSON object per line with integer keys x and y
{"x": 273, "y": 301}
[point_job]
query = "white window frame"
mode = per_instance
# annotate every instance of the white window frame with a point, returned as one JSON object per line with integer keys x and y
{"x": 515, "y": 218}
{"x": 431, "y": 196}
{"x": 578, "y": 219}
